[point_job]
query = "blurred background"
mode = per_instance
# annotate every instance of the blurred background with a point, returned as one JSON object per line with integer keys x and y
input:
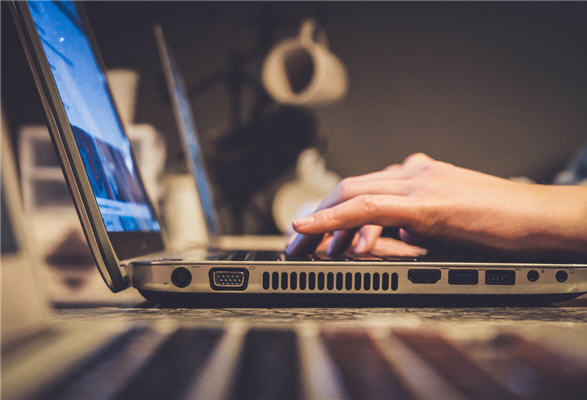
{"x": 496, "y": 87}
{"x": 499, "y": 87}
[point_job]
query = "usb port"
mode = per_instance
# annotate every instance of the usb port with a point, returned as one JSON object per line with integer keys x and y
{"x": 463, "y": 277}
{"x": 500, "y": 277}
{"x": 424, "y": 275}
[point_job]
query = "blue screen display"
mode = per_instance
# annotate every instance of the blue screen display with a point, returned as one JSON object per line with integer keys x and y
{"x": 103, "y": 145}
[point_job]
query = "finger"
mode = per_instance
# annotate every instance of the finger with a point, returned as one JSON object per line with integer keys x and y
{"x": 408, "y": 166}
{"x": 368, "y": 235}
{"x": 384, "y": 210}
{"x": 412, "y": 237}
{"x": 341, "y": 241}
{"x": 392, "y": 172}
{"x": 325, "y": 244}
{"x": 397, "y": 248}
{"x": 303, "y": 244}
{"x": 350, "y": 188}
{"x": 416, "y": 160}
{"x": 392, "y": 167}
{"x": 358, "y": 186}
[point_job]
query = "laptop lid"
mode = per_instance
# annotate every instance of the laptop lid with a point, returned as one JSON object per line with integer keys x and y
{"x": 188, "y": 133}
{"x": 24, "y": 309}
{"x": 118, "y": 219}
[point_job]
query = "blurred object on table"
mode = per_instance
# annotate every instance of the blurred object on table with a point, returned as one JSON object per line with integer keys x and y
{"x": 182, "y": 212}
{"x": 21, "y": 315}
{"x": 123, "y": 84}
{"x": 576, "y": 172}
{"x": 41, "y": 176}
{"x": 72, "y": 259}
{"x": 301, "y": 196}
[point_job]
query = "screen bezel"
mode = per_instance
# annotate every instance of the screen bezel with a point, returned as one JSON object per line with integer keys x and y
{"x": 109, "y": 249}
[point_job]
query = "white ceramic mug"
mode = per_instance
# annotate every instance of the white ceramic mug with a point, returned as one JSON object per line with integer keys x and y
{"x": 302, "y": 71}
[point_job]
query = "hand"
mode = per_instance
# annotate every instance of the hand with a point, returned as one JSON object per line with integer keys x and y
{"x": 430, "y": 199}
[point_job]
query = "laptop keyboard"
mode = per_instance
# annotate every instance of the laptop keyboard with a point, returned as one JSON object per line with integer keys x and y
{"x": 325, "y": 361}
{"x": 245, "y": 255}
{"x": 434, "y": 255}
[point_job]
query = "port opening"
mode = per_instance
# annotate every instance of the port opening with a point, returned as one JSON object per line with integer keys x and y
{"x": 500, "y": 277}
{"x": 562, "y": 276}
{"x": 228, "y": 278}
{"x": 533, "y": 275}
{"x": 424, "y": 275}
{"x": 181, "y": 277}
{"x": 463, "y": 277}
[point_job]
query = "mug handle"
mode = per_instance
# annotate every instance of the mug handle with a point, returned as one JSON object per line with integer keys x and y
{"x": 310, "y": 32}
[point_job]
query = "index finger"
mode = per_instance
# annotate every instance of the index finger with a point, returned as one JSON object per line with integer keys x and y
{"x": 383, "y": 210}
{"x": 303, "y": 244}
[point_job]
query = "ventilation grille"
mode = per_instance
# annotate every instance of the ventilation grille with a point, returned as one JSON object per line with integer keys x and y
{"x": 328, "y": 281}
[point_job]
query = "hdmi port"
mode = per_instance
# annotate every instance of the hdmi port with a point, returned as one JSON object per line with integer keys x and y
{"x": 424, "y": 275}
{"x": 228, "y": 278}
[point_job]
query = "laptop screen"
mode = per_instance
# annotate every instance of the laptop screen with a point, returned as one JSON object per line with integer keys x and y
{"x": 103, "y": 145}
{"x": 189, "y": 133}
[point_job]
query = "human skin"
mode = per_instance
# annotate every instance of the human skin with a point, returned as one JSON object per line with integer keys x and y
{"x": 433, "y": 200}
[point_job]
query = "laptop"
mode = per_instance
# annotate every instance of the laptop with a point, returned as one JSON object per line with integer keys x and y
{"x": 36, "y": 353}
{"x": 125, "y": 237}
{"x": 190, "y": 144}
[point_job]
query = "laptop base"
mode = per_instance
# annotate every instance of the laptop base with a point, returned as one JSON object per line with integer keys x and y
{"x": 240, "y": 300}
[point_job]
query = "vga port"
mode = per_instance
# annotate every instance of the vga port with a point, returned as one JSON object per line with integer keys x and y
{"x": 229, "y": 278}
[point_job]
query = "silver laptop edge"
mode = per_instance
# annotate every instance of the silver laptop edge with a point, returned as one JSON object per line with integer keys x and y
{"x": 128, "y": 257}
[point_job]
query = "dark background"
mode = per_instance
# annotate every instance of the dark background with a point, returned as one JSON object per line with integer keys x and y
{"x": 497, "y": 87}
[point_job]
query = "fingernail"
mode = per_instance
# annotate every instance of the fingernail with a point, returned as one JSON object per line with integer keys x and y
{"x": 303, "y": 221}
{"x": 361, "y": 244}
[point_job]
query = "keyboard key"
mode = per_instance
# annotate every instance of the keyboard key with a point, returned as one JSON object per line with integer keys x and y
{"x": 239, "y": 255}
{"x": 267, "y": 256}
{"x": 363, "y": 257}
{"x": 364, "y": 370}
{"x": 307, "y": 257}
{"x": 397, "y": 258}
{"x": 269, "y": 366}
{"x": 337, "y": 257}
{"x": 169, "y": 371}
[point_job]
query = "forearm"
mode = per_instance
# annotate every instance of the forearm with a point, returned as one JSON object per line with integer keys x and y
{"x": 564, "y": 223}
{"x": 517, "y": 217}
